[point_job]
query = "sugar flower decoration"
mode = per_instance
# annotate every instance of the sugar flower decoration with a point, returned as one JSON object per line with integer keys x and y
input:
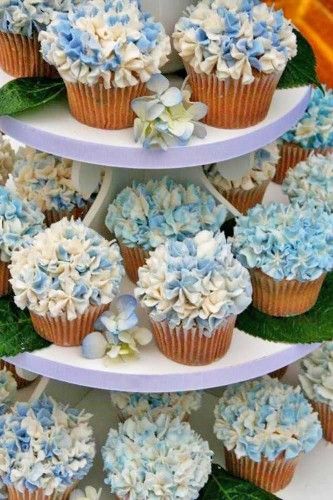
{"x": 263, "y": 418}
{"x": 289, "y": 242}
{"x": 161, "y": 459}
{"x": 118, "y": 334}
{"x": 110, "y": 41}
{"x": 311, "y": 179}
{"x": 7, "y": 156}
{"x": 19, "y": 222}
{"x": 46, "y": 180}
{"x": 196, "y": 282}
{"x": 263, "y": 170}
{"x": 167, "y": 118}
{"x": 234, "y": 39}
{"x": 315, "y": 129}
{"x": 146, "y": 215}
{"x": 152, "y": 405}
{"x": 89, "y": 493}
{"x": 67, "y": 268}
{"x": 45, "y": 445}
{"x": 8, "y": 390}
{"x": 316, "y": 375}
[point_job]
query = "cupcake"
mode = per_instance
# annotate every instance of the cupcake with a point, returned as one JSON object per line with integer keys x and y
{"x": 105, "y": 52}
{"x": 7, "y": 156}
{"x": 8, "y": 391}
{"x": 145, "y": 215}
{"x": 45, "y": 448}
{"x": 151, "y": 405}
{"x": 161, "y": 459}
{"x": 67, "y": 278}
{"x": 46, "y": 180}
{"x": 19, "y": 222}
{"x": 265, "y": 426}
{"x": 312, "y": 134}
{"x": 20, "y": 23}
{"x": 247, "y": 191}
{"x": 235, "y": 53}
{"x": 311, "y": 179}
{"x": 288, "y": 250}
{"x": 23, "y": 378}
{"x": 316, "y": 380}
{"x": 193, "y": 291}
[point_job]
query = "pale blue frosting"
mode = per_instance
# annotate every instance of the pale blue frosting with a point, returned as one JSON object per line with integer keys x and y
{"x": 290, "y": 242}
{"x": 153, "y": 460}
{"x": 146, "y": 215}
{"x": 315, "y": 129}
{"x": 263, "y": 418}
{"x": 311, "y": 179}
{"x": 194, "y": 283}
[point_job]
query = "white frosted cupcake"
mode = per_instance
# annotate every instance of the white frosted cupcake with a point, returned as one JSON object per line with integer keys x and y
{"x": 7, "y": 156}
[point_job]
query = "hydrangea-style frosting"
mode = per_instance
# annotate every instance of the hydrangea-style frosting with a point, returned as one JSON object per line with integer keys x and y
{"x": 290, "y": 242}
{"x": 160, "y": 459}
{"x": 19, "y": 221}
{"x": 264, "y": 168}
{"x": 46, "y": 180}
{"x": 26, "y": 17}
{"x": 113, "y": 41}
{"x": 196, "y": 282}
{"x": 89, "y": 493}
{"x": 317, "y": 374}
{"x": 151, "y": 405}
{"x": 263, "y": 418}
{"x": 315, "y": 129}
{"x": 8, "y": 390}
{"x": 65, "y": 269}
{"x": 146, "y": 215}
{"x": 7, "y": 156}
{"x": 45, "y": 445}
{"x": 235, "y": 38}
{"x": 311, "y": 179}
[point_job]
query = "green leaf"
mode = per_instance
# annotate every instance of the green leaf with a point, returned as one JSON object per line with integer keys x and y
{"x": 223, "y": 486}
{"x": 301, "y": 70}
{"x": 17, "y": 334}
{"x": 313, "y": 326}
{"x": 27, "y": 93}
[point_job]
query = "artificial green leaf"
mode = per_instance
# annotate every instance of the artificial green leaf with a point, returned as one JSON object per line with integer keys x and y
{"x": 301, "y": 69}
{"x": 223, "y": 486}
{"x": 17, "y": 334}
{"x": 27, "y": 93}
{"x": 313, "y": 326}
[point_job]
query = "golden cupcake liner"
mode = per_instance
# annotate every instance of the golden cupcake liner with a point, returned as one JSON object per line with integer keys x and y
{"x": 191, "y": 347}
{"x": 133, "y": 259}
{"x": 21, "y": 382}
{"x": 14, "y": 494}
{"x": 271, "y": 476}
{"x": 284, "y": 298}
{"x": 65, "y": 333}
{"x": 243, "y": 199}
{"x": 20, "y": 57}
{"x": 4, "y": 279}
{"x": 103, "y": 108}
{"x": 290, "y": 155}
{"x": 279, "y": 373}
{"x": 52, "y": 216}
{"x": 325, "y": 415}
{"x": 231, "y": 104}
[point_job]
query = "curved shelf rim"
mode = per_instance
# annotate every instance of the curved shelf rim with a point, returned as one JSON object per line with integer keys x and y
{"x": 137, "y": 382}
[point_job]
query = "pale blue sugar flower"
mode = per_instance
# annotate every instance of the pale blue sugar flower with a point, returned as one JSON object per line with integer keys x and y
{"x": 89, "y": 493}
{"x": 167, "y": 118}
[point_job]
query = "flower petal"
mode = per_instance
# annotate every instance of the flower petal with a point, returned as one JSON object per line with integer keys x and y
{"x": 94, "y": 346}
{"x": 158, "y": 84}
{"x": 172, "y": 97}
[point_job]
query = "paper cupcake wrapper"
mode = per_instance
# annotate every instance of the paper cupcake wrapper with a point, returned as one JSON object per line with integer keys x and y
{"x": 191, "y": 347}
{"x": 243, "y": 199}
{"x": 279, "y": 373}
{"x": 65, "y": 333}
{"x": 21, "y": 382}
{"x": 231, "y": 104}
{"x": 52, "y": 216}
{"x": 271, "y": 476}
{"x": 284, "y": 298}
{"x": 4, "y": 279}
{"x": 14, "y": 494}
{"x": 103, "y": 108}
{"x": 292, "y": 154}
{"x": 326, "y": 419}
{"x": 133, "y": 259}
{"x": 20, "y": 57}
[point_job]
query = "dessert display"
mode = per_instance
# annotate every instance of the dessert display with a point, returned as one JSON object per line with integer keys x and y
{"x": 288, "y": 250}
{"x": 7, "y": 156}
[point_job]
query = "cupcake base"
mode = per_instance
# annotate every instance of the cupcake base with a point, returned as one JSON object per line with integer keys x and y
{"x": 271, "y": 476}
{"x": 279, "y": 373}
{"x": 231, "y": 104}
{"x": 21, "y": 382}
{"x": 65, "y": 333}
{"x": 191, "y": 347}
{"x": 326, "y": 419}
{"x": 284, "y": 298}
{"x": 133, "y": 259}
{"x": 20, "y": 57}
{"x": 52, "y": 216}
{"x": 14, "y": 494}
{"x": 243, "y": 199}
{"x": 291, "y": 155}
{"x": 103, "y": 108}
{"x": 4, "y": 279}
